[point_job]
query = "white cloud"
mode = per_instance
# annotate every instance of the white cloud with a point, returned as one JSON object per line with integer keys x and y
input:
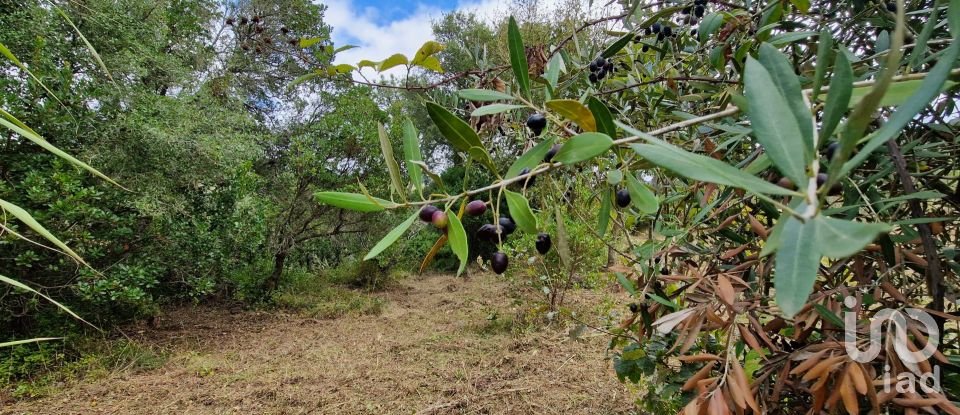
{"x": 377, "y": 40}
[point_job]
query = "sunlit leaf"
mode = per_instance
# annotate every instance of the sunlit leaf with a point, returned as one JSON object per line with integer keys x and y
{"x": 574, "y": 111}
{"x": 427, "y": 50}
{"x": 27, "y": 341}
{"x": 393, "y": 61}
{"x": 431, "y": 63}
{"x": 86, "y": 43}
{"x": 309, "y": 41}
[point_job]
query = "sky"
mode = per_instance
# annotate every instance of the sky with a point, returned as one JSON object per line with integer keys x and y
{"x": 381, "y": 28}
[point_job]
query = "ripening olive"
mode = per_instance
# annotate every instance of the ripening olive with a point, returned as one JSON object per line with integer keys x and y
{"x": 440, "y": 219}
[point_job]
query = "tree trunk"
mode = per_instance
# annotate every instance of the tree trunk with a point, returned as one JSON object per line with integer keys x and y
{"x": 274, "y": 279}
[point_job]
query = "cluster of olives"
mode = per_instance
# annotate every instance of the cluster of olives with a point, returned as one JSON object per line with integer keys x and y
{"x": 599, "y": 69}
{"x": 698, "y": 9}
{"x": 252, "y": 36}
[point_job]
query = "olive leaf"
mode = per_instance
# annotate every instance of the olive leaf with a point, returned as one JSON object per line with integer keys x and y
{"x": 391, "y": 237}
{"x": 520, "y": 211}
{"x": 518, "y": 57}
{"x": 458, "y": 240}
{"x": 531, "y": 158}
{"x": 574, "y": 111}
{"x": 583, "y": 147}
{"x": 354, "y": 201}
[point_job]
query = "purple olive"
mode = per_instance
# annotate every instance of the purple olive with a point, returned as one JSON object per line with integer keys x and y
{"x": 426, "y": 213}
{"x": 476, "y": 208}
{"x": 499, "y": 262}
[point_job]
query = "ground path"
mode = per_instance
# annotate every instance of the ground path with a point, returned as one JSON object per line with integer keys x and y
{"x": 433, "y": 350}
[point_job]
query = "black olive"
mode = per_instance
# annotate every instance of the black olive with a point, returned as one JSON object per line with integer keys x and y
{"x": 507, "y": 225}
{"x": 499, "y": 262}
{"x": 831, "y": 150}
{"x": 536, "y": 122}
{"x": 543, "y": 243}
{"x": 552, "y": 152}
{"x": 623, "y": 198}
{"x": 634, "y": 308}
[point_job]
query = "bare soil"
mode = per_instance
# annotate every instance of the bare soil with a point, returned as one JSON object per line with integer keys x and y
{"x": 433, "y": 350}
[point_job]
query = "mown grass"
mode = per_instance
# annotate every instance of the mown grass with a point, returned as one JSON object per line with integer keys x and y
{"x": 32, "y": 372}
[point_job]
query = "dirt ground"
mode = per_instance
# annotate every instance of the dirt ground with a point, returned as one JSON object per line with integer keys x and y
{"x": 433, "y": 350}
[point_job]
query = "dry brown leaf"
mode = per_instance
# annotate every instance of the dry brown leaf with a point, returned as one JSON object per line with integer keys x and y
{"x": 781, "y": 381}
{"x": 857, "y": 377}
{"x": 757, "y": 227}
{"x": 744, "y": 385}
{"x": 692, "y": 335}
{"x": 733, "y": 393}
{"x": 701, "y": 374}
{"x": 945, "y": 404}
{"x": 702, "y": 357}
{"x": 849, "y": 394}
{"x": 751, "y": 340}
{"x": 730, "y": 253}
{"x": 822, "y": 368}
{"x": 725, "y": 290}
{"x": 890, "y": 289}
{"x": 808, "y": 362}
{"x": 717, "y": 405}
{"x": 726, "y": 222}
{"x": 916, "y": 402}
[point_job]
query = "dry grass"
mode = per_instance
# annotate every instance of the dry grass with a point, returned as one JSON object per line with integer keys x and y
{"x": 433, "y": 350}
